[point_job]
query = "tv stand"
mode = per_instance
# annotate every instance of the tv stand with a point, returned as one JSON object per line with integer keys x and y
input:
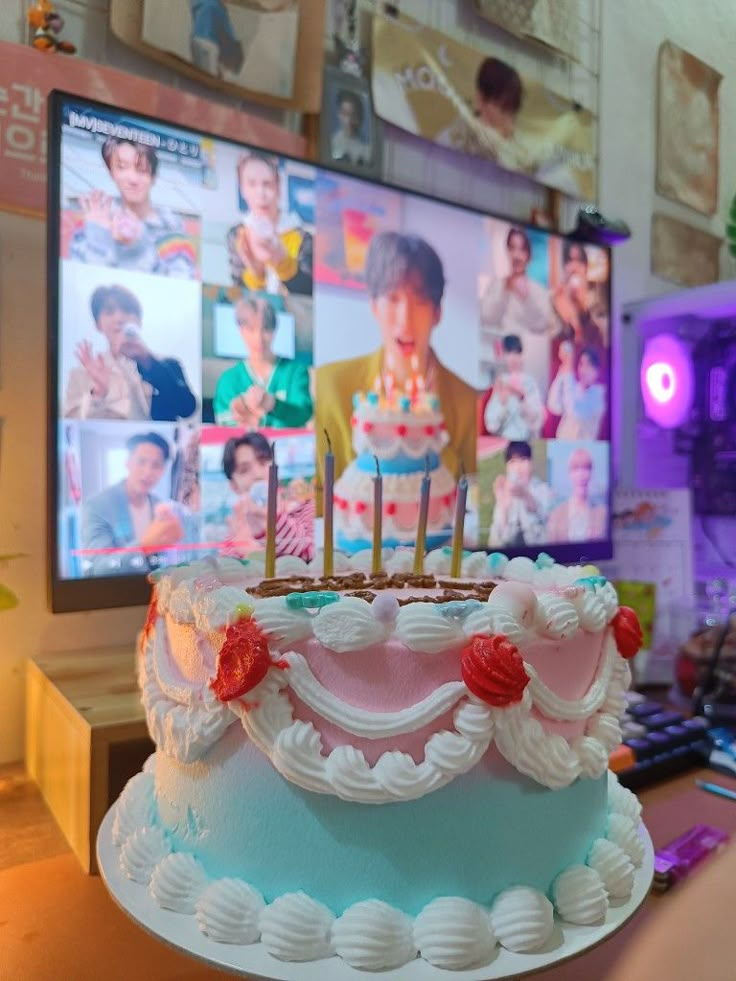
{"x": 85, "y": 737}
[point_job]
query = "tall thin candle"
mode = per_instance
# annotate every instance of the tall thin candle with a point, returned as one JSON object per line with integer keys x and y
{"x": 271, "y": 509}
{"x": 377, "y": 556}
{"x": 420, "y": 546}
{"x": 328, "y": 492}
{"x": 459, "y": 528}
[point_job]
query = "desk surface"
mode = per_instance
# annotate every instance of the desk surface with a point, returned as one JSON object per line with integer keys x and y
{"x": 100, "y": 685}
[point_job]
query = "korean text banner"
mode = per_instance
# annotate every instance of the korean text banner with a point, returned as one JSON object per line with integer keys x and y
{"x": 447, "y": 92}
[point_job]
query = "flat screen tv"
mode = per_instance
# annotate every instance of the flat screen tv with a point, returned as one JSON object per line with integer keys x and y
{"x": 211, "y": 303}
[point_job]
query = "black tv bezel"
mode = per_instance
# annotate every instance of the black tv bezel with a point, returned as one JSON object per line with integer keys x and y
{"x": 114, "y": 592}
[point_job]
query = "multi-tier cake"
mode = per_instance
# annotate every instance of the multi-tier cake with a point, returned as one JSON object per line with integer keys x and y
{"x": 402, "y": 435}
{"x": 386, "y": 767}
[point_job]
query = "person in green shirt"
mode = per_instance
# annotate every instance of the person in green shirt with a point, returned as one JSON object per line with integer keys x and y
{"x": 262, "y": 390}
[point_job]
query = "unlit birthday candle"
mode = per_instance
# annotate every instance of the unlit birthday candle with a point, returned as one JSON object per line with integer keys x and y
{"x": 420, "y": 547}
{"x": 377, "y": 520}
{"x": 328, "y": 494}
{"x": 458, "y": 532}
{"x": 271, "y": 509}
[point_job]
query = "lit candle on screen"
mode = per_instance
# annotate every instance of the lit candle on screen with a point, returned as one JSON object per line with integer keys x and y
{"x": 459, "y": 528}
{"x": 328, "y": 494}
{"x": 377, "y": 520}
{"x": 271, "y": 509}
{"x": 421, "y": 540}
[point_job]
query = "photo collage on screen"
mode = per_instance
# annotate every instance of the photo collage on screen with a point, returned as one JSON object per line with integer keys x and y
{"x": 219, "y": 303}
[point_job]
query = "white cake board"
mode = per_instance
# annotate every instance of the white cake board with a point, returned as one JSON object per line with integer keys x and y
{"x": 253, "y": 961}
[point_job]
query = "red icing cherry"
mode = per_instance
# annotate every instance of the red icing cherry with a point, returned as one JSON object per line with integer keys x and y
{"x": 447, "y": 500}
{"x": 361, "y": 507}
{"x": 353, "y": 421}
{"x": 243, "y": 661}
{"x": 390, "y": 508}
{"x": 367, "y": 427}
{"x": 341, "y": 503}
{"x": 429, "y": 430}
{"x": 401, "y": 430}
{"x": 493, "y": 669}
{"x": 627, "y": 631}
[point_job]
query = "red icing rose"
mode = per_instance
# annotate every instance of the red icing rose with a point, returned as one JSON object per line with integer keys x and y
{"x": 493, "y": 669}
{"x": 627, "y": 631}
{"x": 243, "y": 661}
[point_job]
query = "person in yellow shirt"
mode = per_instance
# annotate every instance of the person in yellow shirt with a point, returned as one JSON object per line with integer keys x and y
{"x": 405, "y": 282}
{"x": 268, "y": 248}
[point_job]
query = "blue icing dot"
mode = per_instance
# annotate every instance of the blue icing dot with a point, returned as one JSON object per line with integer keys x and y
{"x": 311, "y": 601}
{"x": 372, "y": 398}
{"x": 404, "y": 403}
{"x": 356, "y": 400}
{"x": 459, "y": 609}
{"x": 590, "y": 582}
{"x": 497, "y": 560}
{"x": 544, "y": 561}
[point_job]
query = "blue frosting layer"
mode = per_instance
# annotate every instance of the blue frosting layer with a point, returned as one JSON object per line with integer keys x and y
{"x": 483, "y": 833}
{"x": 350, "y": 545}
{"x": 401, "y": 464}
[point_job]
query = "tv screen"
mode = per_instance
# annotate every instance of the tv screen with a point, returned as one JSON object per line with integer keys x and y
{"x": 212, "y": 303}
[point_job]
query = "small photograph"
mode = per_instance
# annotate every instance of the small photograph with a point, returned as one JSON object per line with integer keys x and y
{"x": 130, "y": 346}
{"x": 259, "y": 230}
{"x": 579, "y": 479}
{"x": 577, "y": 399}
{"x": 250, "y": 43}
{"x": 135, "y": 499}
{"x": 235, "y": 469}
{"x": 130, "y": 201}
{"x": 579, "y": 275}
{"x": 350, "y": 134}
{"x": 513, "y": 291}
{"x": 514, "y": 498}
{"x": 514, "y": 408}
{"x": 256, "y": 361}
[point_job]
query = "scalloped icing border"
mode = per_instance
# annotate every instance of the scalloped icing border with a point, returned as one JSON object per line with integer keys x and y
{"x": 472, "y": 928}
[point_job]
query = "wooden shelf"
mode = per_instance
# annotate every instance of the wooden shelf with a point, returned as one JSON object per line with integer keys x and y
{"x": 85, "y": 737}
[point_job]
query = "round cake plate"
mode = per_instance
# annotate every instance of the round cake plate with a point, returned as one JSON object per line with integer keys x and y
{"x": 254, "y": 961}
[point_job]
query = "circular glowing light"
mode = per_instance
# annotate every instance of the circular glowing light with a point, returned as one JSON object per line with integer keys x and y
{"x": 667, "y": 380}
{"x": 661, "y": 381}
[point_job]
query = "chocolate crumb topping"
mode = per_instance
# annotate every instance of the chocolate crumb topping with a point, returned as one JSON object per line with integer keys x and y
{"x": 365, "y": 587}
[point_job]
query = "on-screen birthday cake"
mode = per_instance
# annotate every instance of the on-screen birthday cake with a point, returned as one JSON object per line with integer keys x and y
{"x": 405, "y": 435}
{"x": 381, "y": 768}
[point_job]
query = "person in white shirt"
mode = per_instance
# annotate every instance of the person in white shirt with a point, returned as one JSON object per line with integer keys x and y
{"x": 522, "y": 501}
{"x": 514, "y": 410}
{"x": 519, "y": 305}
{"x": 581, "y": 401}
{"x": 578, "y": 519}
{"x": 346, "y": 144}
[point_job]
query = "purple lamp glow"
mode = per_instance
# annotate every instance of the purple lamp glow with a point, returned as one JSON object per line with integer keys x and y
{"x": 667, "y": 381}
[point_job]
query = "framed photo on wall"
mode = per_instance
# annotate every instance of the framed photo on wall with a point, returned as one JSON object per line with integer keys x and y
{"x": 351, "y": 137}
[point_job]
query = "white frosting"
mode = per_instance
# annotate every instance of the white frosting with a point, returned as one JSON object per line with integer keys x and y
{"x": 438, "y": 562}
{"x": 373, "y": 936}
{"x": 475, "y": 566}
{"x": 402, "y": 560}
{"x": 228, "y": 911}
{"x": 177, "y": 882}
{"x": 580, "y": 896}
{"x": 422, "y": 628}
{"x": 613, "y": 866}
{"x": 218, "y": 608}
{"x": 521, "y": 569}
{"x": 522, "y": 919}
{"x": 621, "y": 800}
{"x": 135, "y": 808}
{"x": 360, "y": 722}
{"x": 453, "y": 933}
{"x": 592, "y": 611}
{"x": 141, "y": 853}
{"x": 348, "y": 625}
{"x": 296, "y": 927}
{"x": 489, "y": 620}
{"x": 622, "y": 832}
{"x": 183, "y": 727}
{"x": 570, "y": 710}
{"x": 609, "y": 597}
{"x": 280, "y": 623}
{"x": 556, "y": 617}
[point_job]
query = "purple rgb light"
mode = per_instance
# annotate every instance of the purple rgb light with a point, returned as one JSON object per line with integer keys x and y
{"x": 667, "y": 381}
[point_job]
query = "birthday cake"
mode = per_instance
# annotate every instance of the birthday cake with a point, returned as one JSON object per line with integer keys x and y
{"x": 402, "y": 437}
{"x": 380, "y": 768}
